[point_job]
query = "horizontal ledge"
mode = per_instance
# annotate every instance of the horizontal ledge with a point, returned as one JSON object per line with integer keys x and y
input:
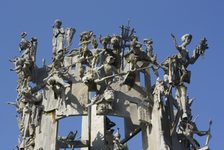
{"x": 72, "y": 144}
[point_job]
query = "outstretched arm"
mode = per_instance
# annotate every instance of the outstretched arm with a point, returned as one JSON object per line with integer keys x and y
{"x": 199, "y": 50}
{"x": 175, "y": 41}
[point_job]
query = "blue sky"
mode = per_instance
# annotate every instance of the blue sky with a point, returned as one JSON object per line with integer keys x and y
{"x": 151, "y": 19}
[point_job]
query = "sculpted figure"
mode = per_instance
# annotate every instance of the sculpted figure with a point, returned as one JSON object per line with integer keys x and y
{"x": 89, "y": 77}
{"x": 29, "y": 54}
{"x": 95, "y": 58}
{"x": 135, "y": 44}
{"x": 123, "y": 60}
{"x": 58, "y": 85}
{"x": 117, "y": 143}
{"x": 58, "y": 61}
{"x": 188, "y": 128}
{"x": 95, "y": 52}
{"x": 29, "y": 109}
{"x": 136, "y": 57}
{"x": 183, "y": 55}
{"x": 102, "y": 75}
{"x": 33, "y": 48}
{"x": 160, "y": 90}
{"x": 85, "y": 53}
{"x": 24, "y": 124}
{"x": 25, "y": 64}
{"x": 69, "y": 33}
{"x": 116, "y": 42}
{"x": 59, "y": 68}
{"x": 172, "y": 76}
{"x": 132, "y": 55}
{"x": 19, "y": 69}
{"x": 151, "y": 55}
{"x": 109, "y": 137}
{"x": 85, "y": 37}
{"x": 159, "y": 93}
{"x": 107, "y": 70}
{"x": 183, "y": 60}
{"x": 104, "y": 101}
{"x": 114, "y": 52}
{"x": 149, "y": 50}
{"x": 24, "y": 44}
{"x": 175, "y": 68}
{"x": 105, "y": 41}
{"x": 94, "y": 42}
{"x": 58, "y": 37}
{"x": 58, "y": 78}
{"x": 117, "y": 136}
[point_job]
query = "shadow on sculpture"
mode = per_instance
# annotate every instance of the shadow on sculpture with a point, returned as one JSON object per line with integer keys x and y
{"x": 110, "y": 66}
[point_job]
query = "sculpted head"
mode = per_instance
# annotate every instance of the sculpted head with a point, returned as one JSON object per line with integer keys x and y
{"x": 186, "y": 39}
{"x": 57, "y": 23}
